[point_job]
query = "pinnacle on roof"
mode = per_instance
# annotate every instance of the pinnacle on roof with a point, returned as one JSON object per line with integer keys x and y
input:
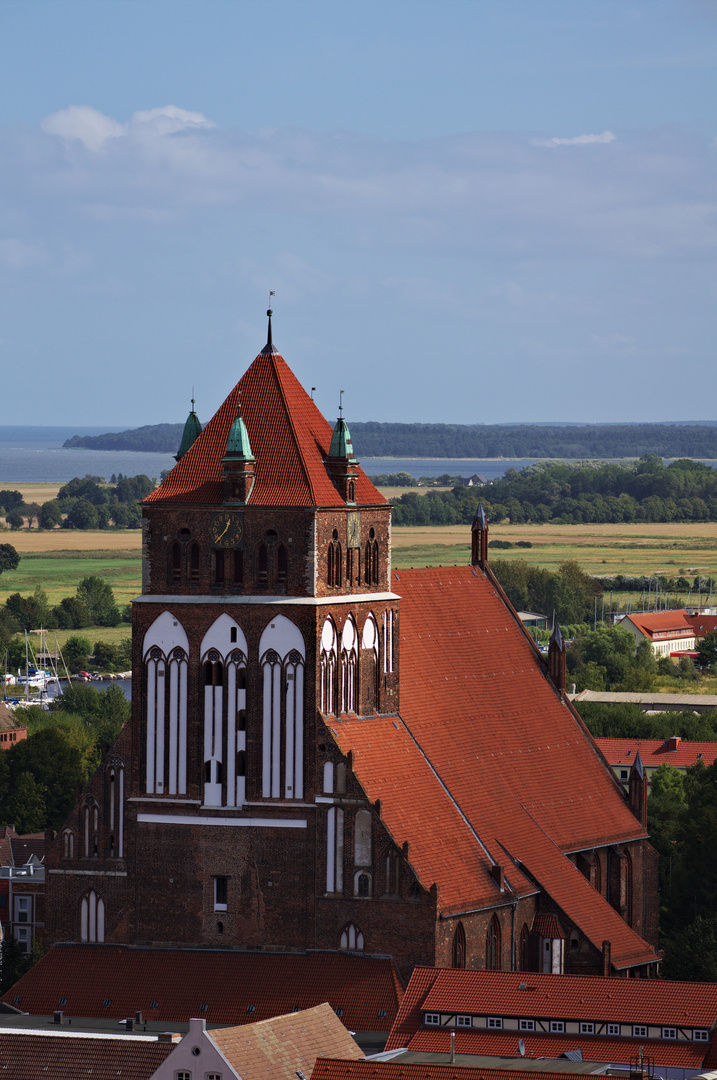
{"x": 480, "y": 520}
{"x": 192, "y": 428}
{"x": 270, "y": 348}
{"x": 341, "y": 445}
{"x": 238, "y": 445}
{"x": 638, "y": 767}
{"x": 556, "y": 635}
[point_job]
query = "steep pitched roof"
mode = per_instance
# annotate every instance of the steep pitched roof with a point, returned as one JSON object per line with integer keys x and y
{"x": 505, "y": 765}
{"x": 30, "y": 1055}
{"x": 290, "y": 440}
{"x": 559, "y": 997}
{"x": 286, "y": 1045}
{"x": 221, "y": 987}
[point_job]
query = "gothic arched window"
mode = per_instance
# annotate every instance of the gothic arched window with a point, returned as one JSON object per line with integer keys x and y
{"x": 334, "y": 561}
{"x": 281, "y": 653}
{"x": 492, "y": 946}
{"x": 459, "y": 947}
{"x": 327, "y": 667}
{"x": 92, "y": 917}
{"x": 165, "y": 650}
{"x": 351, "y": 939}
{"x": 281, "y": 565}
{"x": 176, "y": 565}
{"x": 349, "y": 667}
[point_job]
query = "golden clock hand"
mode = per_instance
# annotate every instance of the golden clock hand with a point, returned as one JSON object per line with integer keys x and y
{"x": 221, "y": 534}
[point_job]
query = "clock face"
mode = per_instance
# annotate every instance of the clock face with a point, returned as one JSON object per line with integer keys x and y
{"x": 354, "y": 529}
{"x": 226, "y": 530}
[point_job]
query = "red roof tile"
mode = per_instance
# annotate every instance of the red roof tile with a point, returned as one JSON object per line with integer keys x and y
{"x": 336, "y": 1069}
{"x": 651, "y": 621}
{"x": 559, "y": 997}
{"x": 685, "y": 1055}
{"x": 476, "y": 704}
{"x": 236, "y": 988}
{"x": 289, "y": 439}
{"x": 703, "y": 624}
{"x": 656, "y": 752}
{"x": 31, "y": 1056}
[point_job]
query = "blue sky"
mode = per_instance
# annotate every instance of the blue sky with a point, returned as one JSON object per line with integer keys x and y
{"x": 470, "y": 210}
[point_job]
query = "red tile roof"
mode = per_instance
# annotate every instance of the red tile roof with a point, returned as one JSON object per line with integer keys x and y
{"x": 336, "y": 1069}
{"x": 652, "y": 621}
{"x": 559, "y": 997}
{"x": 703, "y": 624}
{"x": 289, "y": 439}
{"x": 656, "y": 752}
{"x": 285, "y": 1045}
{"x": 476, "y": 705}
{"x": 32, "y": 1056}
{"x": 504, "y": 1044}
{"x": 173, "y": 985}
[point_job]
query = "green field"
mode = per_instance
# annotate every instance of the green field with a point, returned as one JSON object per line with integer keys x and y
{"x": 59, "y": 573}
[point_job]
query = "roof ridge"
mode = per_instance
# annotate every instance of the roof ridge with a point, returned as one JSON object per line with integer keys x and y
{"x": 297, "y": 444}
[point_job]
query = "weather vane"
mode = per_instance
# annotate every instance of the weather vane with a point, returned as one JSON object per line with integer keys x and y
{"x": 341, "y": 404}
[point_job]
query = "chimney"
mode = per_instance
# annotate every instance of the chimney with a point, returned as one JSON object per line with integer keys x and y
{"x": 673, "y": 742}
{"x": 58, "y": 1016}
{"x": 453, "y": 1048}
{"x": 556, "y": 658}
{"x": 497, "y": 872}
{"x": 138, "y": 1017}
{"x": 167, "y": 1037}
{"x": 606, "y": 958}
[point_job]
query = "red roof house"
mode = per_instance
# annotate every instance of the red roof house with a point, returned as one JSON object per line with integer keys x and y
{"x": 669, "y": 632}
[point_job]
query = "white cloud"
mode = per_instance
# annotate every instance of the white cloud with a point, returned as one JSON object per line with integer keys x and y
{"x": 576, "y": 140}
{"x": 93, "y": 128}
{"x": 18, "y": 255}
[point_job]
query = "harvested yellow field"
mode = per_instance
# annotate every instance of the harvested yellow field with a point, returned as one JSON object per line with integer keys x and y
{"x": 31, "y": 541}
{"x": 34, "y": 493}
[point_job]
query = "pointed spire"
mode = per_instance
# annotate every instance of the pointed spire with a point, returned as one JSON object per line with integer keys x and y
{"x": 269, "y": 349}
{"x": 238, "y": 446}
{"x": 479, "y": 537}
{"x": 341, "y": 445}
{"x": 556, "y": 637}
{"x": 480, "y": 520}
{"x": 638, "y": 767}
{"x": 192, "y": 428}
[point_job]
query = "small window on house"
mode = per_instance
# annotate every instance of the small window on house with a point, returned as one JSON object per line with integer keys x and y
{"x": 639, "y": 1031}
{"x": 214, "y": 1076}
{"x": 623, "y": 774}
{"x": 526, "y": 1025}
{"x": 557, "y": 1025}
{"x": 220, "y": 893}
{"x": 587, "y": 1028}
{"x": 432, "y": 1018}
{"x": 363, "y": 885}
{"x": 495, "y": 1022}
{"x": 464, "y": 1021}
{"x": 183, "y": 1075}
{"x": 574, "y": 941}
{"x": 613, "y": 1029}
{"x": 700, "y": 1035}
{"x": 669, "y": 1033}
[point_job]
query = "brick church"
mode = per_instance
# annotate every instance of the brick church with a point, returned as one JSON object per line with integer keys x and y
{"x": 328, "y": 754}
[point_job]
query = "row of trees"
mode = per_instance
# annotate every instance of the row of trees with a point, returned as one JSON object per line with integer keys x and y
{"x": 83, "y": 503}
{"x": 567, "y": 592}
{"x": 93, "y": 604}
{"x": 562, "y": 493}
{"x": 373, "y": 439}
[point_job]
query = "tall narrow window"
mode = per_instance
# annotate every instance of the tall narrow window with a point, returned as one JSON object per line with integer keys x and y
{"x": 335, "y": 561}
{"x": 92, "y": 918}
{"x": 238, "y": 567}
{"x": 459, "y": 947}
{"x": 281, "y": 652}
{"x": 281, "y": 565}
{"x": 525, "y": 948}
{"x": 492, "y": 946}
{"x": 263, "y": 565}
{"x": 349, "y": 667}
{"x": 352, "y": 939}
{"x": 218, "y": 567}
{"x": 165, "y": 650}
{"x": 334, "y": 850}
{"x": 176, "y": 564}
{"x": 194, "y": 564}
{"x": 327, "y": 668}
{"x": 213, "y": 728}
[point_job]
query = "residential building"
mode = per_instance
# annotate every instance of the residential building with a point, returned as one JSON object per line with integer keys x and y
{"x": 670, "y": 633}
{"x": 37, "y": 1055}
{"x": 675, "y": 751}
{"x": 22, "y": 886}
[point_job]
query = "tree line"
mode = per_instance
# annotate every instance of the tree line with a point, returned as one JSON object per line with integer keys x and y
{"x": 567, "y": 494}
{"x": 84, "y": 503}
{"x": 372, "y": 439}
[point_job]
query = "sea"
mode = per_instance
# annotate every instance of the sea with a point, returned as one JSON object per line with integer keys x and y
{"x": 36, "y": 455}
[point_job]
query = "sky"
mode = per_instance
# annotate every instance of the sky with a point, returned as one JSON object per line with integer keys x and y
{"x": 470, "y": 211}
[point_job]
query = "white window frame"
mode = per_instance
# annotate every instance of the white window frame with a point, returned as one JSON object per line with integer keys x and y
{"x": 613, "y": 1029}
{"x": 557, "y": 1027}
{"x": 700, "y": 1035}
{"x": 495, "y": 1022}
{"x": 217, "y": 879}
{"x": 432, "y": 1018}
{"x": 639, "y": 1031}
{"x": 587, "y": 1027}
{"x": 526, "y": 1025}
{"x": 669, "y": 1033}
{"x": 464, "y": 1021}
